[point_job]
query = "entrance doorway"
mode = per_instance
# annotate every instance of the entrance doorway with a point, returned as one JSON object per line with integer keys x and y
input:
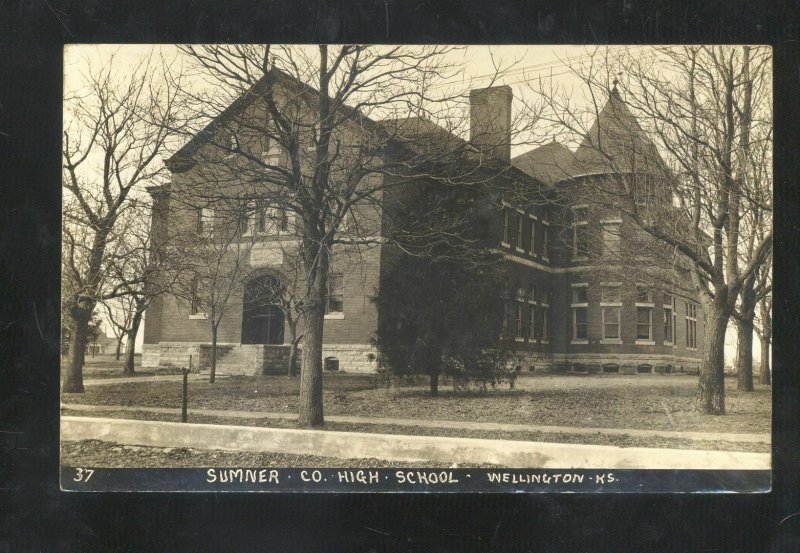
{"x": 262, "y": 318}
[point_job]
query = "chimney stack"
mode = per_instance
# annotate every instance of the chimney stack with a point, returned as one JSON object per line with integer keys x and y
{"x": 490, "y": 120}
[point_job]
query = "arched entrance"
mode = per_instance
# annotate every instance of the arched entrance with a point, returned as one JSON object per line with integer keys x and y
{"x": 262, "y": 318}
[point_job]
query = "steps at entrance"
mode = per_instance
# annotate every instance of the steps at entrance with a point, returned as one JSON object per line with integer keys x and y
{"x": 229, "y": 359}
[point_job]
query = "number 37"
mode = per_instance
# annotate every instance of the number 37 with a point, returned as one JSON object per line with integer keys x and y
{"x": 83, "y": 475}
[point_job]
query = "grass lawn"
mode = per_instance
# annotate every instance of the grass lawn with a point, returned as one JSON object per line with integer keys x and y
{"x": 649, "y": 402}
{"x": 106, "y": 366}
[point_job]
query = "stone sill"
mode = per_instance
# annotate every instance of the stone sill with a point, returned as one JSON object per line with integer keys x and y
{"x": 198, "y": 317}
{"x": 609, "y": 341}
{"x": 579, "y": 342}
{"x": 334, "y": 316}
{"x": 645, "y": 342}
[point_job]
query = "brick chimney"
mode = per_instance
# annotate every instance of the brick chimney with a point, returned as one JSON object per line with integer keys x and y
{"x": 490, "y": 120}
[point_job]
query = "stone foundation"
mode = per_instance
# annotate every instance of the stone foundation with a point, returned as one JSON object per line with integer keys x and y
{"x": 360, "y": 358}
{"x": 256, "y": 359}
{"x": 619, "y": 364}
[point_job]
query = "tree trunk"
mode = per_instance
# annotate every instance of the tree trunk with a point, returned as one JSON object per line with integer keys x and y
{"x": 119, "y": 347}
{"x": 293, "y": 356}
{"x": 310, "y": 415}
{"x": 130, "y": 348}
{"x": 434, "y": 383}
{"x": 293, "y": 341}
{"x": 744, "y": 355}
{"x": 73, "y": 379}
{"x": 213, "y": 374}
{"x": 316, "y": 264}
{"x": 766, "y": 377}
{"x": 711, "y": 389}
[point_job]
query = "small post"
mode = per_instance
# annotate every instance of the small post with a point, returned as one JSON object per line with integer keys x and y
{"x": 185, "y": 398}
{"x": 190, "y": 362}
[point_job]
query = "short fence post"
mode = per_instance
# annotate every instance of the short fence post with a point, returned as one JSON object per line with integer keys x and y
{"x": 190, "y": 361}
{"x": 185, "y": 399}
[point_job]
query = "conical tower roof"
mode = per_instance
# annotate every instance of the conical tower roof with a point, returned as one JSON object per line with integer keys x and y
{"x": 616, "y": 144}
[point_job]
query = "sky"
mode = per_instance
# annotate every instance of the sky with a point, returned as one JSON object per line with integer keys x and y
{"x": 478, "y": 62}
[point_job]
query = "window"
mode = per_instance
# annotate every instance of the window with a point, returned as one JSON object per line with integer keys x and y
{"x": 519, "y": 335}
{"x": 281, "y": 220}
{"x": 243, "y": 224}
{"x": 505, "y": 319}
{"x": 644, "y": 313}
{"x": 580, "y": 324}
{"x": 532, "y": 293}
{"x": 273, "y": 152}
{"x": 580, "y": 307}
{"x": 335, "y": 294}
{"x": 611, "y": 238}
{"x": 545, "y": 246}
{"x": 669, "y": 325}
{"x": 195, "y": 303}
{"x": 610, "y": 305}
{"x": 545, "y": 329}
{"x": 532, "y": 247}
{"x": 580, "y": 231}
{"x": 531, "y": 322}
{"x": 505, "y": 226}
{"x": 273, "y": 221}
{"x": 610, "y": 323}
{"x": 205, "y": 221}
{"x": 644, "y": 323}
{"x": 691, "y": 325}
{"x": 520, "y": 230}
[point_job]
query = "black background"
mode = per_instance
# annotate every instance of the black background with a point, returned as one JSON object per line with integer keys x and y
{"x": 36, "y": 516}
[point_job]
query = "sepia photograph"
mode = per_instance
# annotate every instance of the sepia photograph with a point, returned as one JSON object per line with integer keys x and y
{"x": 400, "y": 265}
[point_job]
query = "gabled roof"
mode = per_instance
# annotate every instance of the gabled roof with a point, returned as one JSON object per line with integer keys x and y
{"x": 416, "y": 134}
{"x": 256, "y": 91}
{"x": 550, "y": 163}
{"x": 616, "y": 144}
{"x": 422, "y": 135}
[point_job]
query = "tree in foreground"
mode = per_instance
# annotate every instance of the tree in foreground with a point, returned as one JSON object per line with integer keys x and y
{"x": 440, "y": 305}
{"x": 707, "y": 111}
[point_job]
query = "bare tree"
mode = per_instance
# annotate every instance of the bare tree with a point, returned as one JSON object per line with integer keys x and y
{"x": 684, "y": 171}
{"x": 137, "y": 273}
{"x": 119, "y": 315}
{"x": 209, "y": 261}
{"x": 324, "y": 134}
{"x": 763, "y": 328}
{"x": 115, "y": 128}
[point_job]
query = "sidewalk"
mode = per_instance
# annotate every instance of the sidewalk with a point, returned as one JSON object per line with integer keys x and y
{"x": 396, "y": 447}
{"x": 463, "y": 425}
